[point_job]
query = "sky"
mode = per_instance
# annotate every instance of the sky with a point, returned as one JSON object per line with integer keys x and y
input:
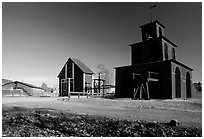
{"x": 38, "y": 38}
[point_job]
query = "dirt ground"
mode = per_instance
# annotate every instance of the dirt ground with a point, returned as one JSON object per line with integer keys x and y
{"x": 187, "y": 112}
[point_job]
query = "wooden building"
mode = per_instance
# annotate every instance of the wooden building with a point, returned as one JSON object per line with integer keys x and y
{"x": 75, "y": 76}
{"x": 16, "y": 88}
{"x": 154, "y": 72}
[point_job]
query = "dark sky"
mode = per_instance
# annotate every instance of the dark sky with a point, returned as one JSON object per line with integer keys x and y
{"x": 38, "y": 38}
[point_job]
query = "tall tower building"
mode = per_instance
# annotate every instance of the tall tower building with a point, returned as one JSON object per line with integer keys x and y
{"x": 154, "y": 72}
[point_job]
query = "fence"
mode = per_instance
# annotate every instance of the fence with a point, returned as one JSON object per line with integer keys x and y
{"x": 91, "y": 93}
{"x": 21, "y": 93}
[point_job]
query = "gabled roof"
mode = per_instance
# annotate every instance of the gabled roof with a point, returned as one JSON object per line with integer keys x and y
{"x": 26, "y": 84}
{"x": 80, "y": 64}
{"x": 5, "y": 81}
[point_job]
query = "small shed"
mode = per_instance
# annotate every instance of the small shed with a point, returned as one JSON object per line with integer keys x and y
{"x": 75, "y": 76}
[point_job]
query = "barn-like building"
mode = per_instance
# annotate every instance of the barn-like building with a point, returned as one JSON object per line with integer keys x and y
{"x": 75, "y": 76}
{"x": 154, "y": 72}
{"x": 16, "y": 88}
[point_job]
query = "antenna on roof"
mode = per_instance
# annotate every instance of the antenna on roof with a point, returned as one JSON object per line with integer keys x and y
{"x": 151, "y": 7}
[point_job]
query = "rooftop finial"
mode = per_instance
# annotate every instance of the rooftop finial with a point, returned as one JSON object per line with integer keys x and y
{"x": 151, "y": 7}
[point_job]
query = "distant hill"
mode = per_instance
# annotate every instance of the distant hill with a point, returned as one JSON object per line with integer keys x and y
{"x": 5, "y": 81}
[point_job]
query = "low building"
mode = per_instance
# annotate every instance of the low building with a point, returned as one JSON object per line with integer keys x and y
{"x": 17, "y": 88}
{"x": 75, "y": 76}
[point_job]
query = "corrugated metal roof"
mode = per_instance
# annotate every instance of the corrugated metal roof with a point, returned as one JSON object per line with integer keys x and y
{"x": 5, "y": 81}
{"x": 82, "y": 66}
{"x": 26, "y": 84}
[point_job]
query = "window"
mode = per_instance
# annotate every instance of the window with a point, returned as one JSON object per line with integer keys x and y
{"x": 178, "y": 82}
{"x": 165, "y": 51}
{"x": 173, "y": 54}
{"x": 160, "y": 32}
{"x": 188, "y": 85}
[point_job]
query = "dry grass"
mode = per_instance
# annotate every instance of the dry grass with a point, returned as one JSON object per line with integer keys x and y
{"x": 24, "y": 122}
{"x": 188, "y": 112}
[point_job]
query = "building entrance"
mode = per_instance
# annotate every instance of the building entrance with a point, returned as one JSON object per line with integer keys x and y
{"x": 188, "y": 85}
{"x": 67, "y": 86}
{"x": 178, "y": 82}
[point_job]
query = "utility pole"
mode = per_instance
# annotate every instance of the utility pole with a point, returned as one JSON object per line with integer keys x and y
{"x": 99, "y": 83}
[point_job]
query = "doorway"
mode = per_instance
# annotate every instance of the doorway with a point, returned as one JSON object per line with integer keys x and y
{"x": 188, "y": 85}
{"x": 178, "y": 82}
{"x": 67, "y": 86}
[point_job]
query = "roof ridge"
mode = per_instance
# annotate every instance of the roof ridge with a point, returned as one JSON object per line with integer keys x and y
{"x": 82, "y": 66}
{"x": 27, "y": 84}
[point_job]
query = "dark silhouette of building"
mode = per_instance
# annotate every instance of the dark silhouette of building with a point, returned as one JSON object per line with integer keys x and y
{"x": 154, "y": 72}
{"x": 75, "y": 76}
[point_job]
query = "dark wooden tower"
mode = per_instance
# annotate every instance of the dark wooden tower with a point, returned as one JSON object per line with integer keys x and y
{"x": 154, "y": 71}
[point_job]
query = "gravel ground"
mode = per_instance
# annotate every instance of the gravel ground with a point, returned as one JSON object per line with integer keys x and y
{"x": 187, "y": 112}
{"x": 41, "y": 122}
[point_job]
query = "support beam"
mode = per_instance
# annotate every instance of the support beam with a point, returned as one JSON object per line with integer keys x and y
{"x": 135, "y": 92}
{"x": 66, "y": 71}
{"x": 73, "y": 70}
{"x": 99, "y": 84}
{"x": 147, "y": 90}
{"x": 73, "y": 75}
{"x": 92, "y": 84}
{"x": 140, "y": 92}
{"x": 84, "y": 79}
